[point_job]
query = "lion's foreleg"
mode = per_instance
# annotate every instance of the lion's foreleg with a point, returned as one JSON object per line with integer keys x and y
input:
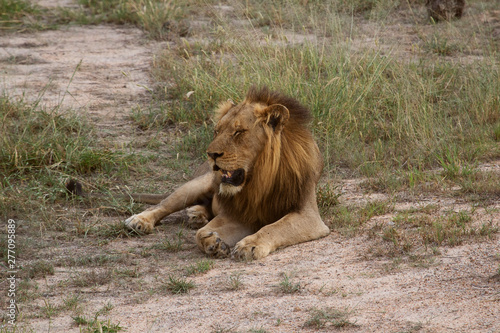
{"x": 194, "y": 192}
{"x": 293, "y": 228}
{"x": 219, "y": 235}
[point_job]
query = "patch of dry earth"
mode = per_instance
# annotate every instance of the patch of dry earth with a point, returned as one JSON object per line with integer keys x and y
{"x": 102, "y": 70}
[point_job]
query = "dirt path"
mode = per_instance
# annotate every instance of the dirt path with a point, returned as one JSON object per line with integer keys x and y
{"x": 456, "y": 291}
{"x": 102, "y": 70}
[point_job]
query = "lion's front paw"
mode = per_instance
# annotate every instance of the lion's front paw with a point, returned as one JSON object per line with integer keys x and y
{"x": 250, "y": 249}
{"x": 139, "y": 224}
{"x": 210, "y": 243}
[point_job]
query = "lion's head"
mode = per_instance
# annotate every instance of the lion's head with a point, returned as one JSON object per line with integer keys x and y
{"x": 263, "y": 150}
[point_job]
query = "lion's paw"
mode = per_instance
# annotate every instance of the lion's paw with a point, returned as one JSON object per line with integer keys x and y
{"x": 138, "y": 223}
{"x": 212, "y": 244}
{"x": 248, "y": 249}
{"x": 198, "y": 216}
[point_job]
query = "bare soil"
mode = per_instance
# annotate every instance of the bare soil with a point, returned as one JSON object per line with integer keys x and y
{"x": 104, "y": 71}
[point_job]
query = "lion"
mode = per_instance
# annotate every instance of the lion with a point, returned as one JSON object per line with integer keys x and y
{"x": 257, "y": 193}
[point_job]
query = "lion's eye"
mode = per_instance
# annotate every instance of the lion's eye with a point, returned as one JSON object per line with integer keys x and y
{"x": 238, "y": 132}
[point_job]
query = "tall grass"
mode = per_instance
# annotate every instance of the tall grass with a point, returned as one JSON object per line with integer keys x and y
{"x": 39, "y": 148}
{"x": 156, "y": 18}
{"x": 34, "y": 138}
{"x": 13, "y": 13}
{"x": 372, "y": 111}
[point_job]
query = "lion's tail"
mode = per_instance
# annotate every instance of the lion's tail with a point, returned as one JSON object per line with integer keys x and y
{"x": 75, "y": 188}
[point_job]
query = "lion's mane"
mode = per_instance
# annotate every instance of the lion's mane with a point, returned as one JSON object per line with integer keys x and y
{"x": 289, "y": 161}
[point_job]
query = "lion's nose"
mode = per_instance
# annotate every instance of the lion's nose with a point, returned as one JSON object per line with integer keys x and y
{"x": 214, "y": 156}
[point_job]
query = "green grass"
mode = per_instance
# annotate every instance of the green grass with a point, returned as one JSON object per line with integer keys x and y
{"x": 172, "y": 244}
{"x": 200, "y": 267}
{"x": 179, "y": 285}
{"x": 159, "y": 19}
{"x": 329, "y": 318}
{"x": 94, "y": 325}
{"x": 412, "y": 231}
{"x": 473, "y": 184}
{"x": 47, "y": 139}
{"x": 14, "y": 12}
{"x": 151, "y": 117}
{"x": 373, "y": 112}
{"x": 27, "y": 16}
{"x": 375, "y": 208}
{"x": 39, "y": 149}
{"x": 49, "y": 310}
{"x": 27, "y": 291}
{"x": 300, "y": 16}
{"x": 72, "y": 302}
{"x": 349, "y": 220}
{"x": 440, "y": 45}
{"x": 235, "y": 281}
{"x": 480, "y": 184}
{"x": 286, "y": 286}
{"x": 40, "y": 269}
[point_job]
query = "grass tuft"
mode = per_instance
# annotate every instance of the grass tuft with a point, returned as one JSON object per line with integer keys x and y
{"x": 440, "y": 45}
{"x": 179, "y": 285}
{"x": 414, "y": 230}
{"x": 91, "y": 278}
{"x": 286, "y": 286}
{"x": 375, "y": 208}
{"x": 200, "y": 267}
{"x": 47, "y": 139}
{"x": 93, "y": 325}
{"x": 172, "y": 245}
{"x": 40, "y": 269}
{"x": 327, "y": 196}
{"x": 235, "y": 282}
{"x": 329, "y": 317}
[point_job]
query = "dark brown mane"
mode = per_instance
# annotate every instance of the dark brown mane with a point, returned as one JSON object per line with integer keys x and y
{"x": 272, "y": 193}
{"x": 298, "y": 113}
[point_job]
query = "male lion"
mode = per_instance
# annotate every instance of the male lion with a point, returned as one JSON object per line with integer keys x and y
{"x": 259, "y": 192}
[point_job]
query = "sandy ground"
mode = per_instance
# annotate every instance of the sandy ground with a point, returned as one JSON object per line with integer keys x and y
{"x": 456, "y": 292}
{"x": 101, "y": 70}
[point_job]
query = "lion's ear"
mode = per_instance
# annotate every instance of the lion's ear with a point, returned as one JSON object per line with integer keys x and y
{"x": 275, "y": 116}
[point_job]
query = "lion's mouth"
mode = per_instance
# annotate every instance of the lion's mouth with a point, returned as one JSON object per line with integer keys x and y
{"x": 232, "y": 177}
